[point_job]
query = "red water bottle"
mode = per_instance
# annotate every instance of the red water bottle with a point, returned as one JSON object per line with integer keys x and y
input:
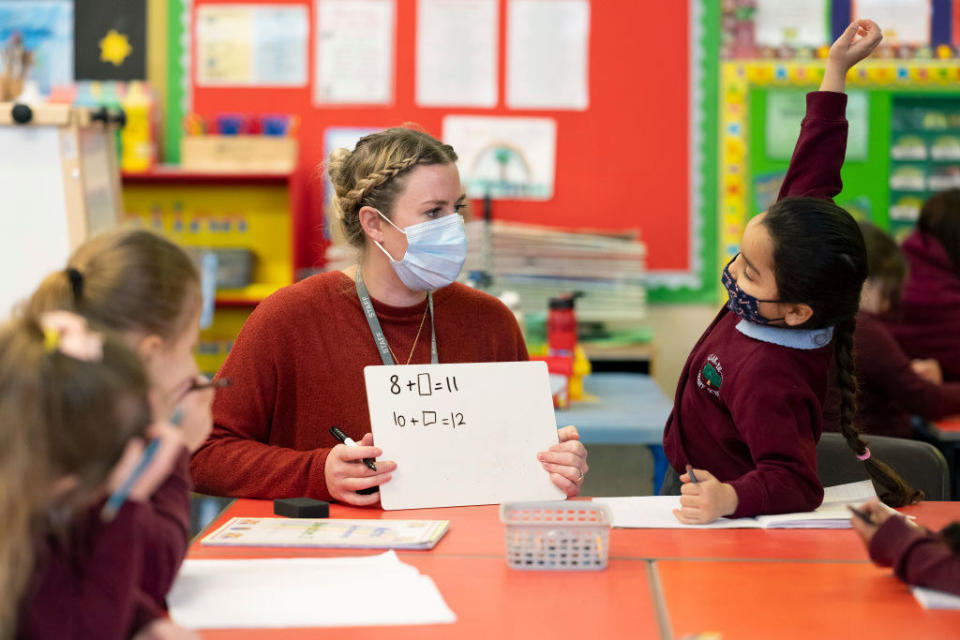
{"x": 562, "y": 326}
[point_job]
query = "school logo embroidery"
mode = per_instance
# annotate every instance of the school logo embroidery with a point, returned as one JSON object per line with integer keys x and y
{"x": 710, "y": 377}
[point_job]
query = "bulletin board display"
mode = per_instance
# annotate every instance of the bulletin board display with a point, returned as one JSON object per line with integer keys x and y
{"x": 902, "y": 145}
{"x": 629, "y": 161}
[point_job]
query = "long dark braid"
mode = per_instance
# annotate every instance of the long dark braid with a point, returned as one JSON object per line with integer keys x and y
{"x": 890, "y": 487}
{"x": 820, "y": 260}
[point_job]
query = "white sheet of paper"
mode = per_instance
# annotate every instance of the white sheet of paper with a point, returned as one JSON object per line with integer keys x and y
{"x": 933, "y": 599}
{"x": 548, "y": 54}
{"x": 505, "y": 157}
{"x": 354, "y": 52}
{"x": 305, "y": 592}
{"x": 252, "y": 45}
{"x": 33, "y": 230}
{"x": 462, "y": 434}
{"x": 457, "y": 43}
{"x": 902, "y": 21}
{"x": 798, "y": 23}
{"x": 656, "y": 512}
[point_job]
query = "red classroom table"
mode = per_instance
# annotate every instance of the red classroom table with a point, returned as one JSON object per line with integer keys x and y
{"x": 493, "y": 601}
{"x": 786, "y": 600}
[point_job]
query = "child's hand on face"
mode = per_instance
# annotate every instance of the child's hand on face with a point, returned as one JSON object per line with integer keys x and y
{"x": 706, "y": 500}
{"x": 160, "y": 467}
{"x": 856, "y": 43}
{"x": 193, "y": 413}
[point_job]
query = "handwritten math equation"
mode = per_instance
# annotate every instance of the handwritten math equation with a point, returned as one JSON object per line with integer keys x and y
{"x": 429, "y": 419}
{"x": 424, "y": 385}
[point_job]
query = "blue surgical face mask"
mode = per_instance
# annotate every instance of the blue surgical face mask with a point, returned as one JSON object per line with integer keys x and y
{"x": 436, "y": 251}
{"x": 742, "y": 303}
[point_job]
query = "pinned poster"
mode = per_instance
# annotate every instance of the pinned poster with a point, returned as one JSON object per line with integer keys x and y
{"x": 548, "y": 54}
{"x": 902, "y": 21}
{"x": 786, "y": 109}
{"x": 505, "y": 158}
{"x": 36, "y": 43}
{"x": 110, "y": 40}
{"x": 457, "y": 43}
{"x": 798, "y": 23}
{"x": 252, "y": 45}
{"x": 354, "y": 52}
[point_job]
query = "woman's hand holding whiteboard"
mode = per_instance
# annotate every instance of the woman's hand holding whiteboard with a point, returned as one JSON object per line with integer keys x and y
{"x": 463, "y": 434}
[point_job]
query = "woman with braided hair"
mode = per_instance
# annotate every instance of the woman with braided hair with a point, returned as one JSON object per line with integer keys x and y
{"x": 297, "y": 365}
{"x": 749, "y": 404}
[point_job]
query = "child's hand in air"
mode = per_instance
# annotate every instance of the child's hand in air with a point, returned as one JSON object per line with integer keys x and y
{"x": 706, "y": 499}
{"x": 856, "y": 43}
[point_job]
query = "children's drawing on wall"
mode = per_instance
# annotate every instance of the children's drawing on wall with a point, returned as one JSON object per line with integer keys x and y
{"x": 505, "y": 158}
{"x": 36, "y": 47}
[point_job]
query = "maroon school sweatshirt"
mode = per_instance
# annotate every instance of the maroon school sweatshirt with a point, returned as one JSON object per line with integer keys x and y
{"x": 89, "y": 586}
{"x": 917, "y": 556}
{"x": 107, "y": 580}
{"x": 889, "y": 390}
{"x": 750, "y": 411}
{"x": 929, "y": 322}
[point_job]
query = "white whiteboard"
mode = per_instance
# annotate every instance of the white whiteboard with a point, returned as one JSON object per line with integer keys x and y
{"x": 33, "y": 213}
{"x": 463, "y": 434}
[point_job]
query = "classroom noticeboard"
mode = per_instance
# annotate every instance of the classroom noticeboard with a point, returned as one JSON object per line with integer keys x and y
{"x": 462, "y": 434}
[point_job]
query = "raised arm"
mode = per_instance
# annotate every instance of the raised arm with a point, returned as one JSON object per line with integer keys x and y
{"x": 818, "y": 156}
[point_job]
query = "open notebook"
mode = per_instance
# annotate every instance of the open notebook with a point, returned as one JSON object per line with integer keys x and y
{"x": 330, "y": 533}
{"x": 656, "y": 512}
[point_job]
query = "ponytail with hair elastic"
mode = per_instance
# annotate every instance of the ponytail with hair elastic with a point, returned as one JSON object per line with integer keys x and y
{"x": 891, "y": 488}
{"x": 76, "y": 283}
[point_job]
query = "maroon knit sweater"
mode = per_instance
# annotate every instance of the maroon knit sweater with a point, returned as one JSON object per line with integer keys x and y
{"x": 929, "y": 322}
{"x": 297, "y": 369}
{"x": 758, "y": 430}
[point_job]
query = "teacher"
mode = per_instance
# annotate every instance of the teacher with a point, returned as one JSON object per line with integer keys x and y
{"x": 297, "y": 366}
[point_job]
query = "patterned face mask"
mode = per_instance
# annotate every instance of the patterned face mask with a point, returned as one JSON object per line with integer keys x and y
{"x": 742, "y": 303}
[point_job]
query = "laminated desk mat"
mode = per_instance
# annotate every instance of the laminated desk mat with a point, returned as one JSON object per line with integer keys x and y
{"x": 329, "y": 533}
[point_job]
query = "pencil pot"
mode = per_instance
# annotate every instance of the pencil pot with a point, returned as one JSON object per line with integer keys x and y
{"x": 556, "y": 535}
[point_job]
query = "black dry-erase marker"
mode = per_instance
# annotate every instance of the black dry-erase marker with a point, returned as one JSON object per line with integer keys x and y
{"x": 345, "y": 439}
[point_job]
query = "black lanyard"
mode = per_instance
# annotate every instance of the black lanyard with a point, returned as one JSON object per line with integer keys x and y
{"x": 377, "y": 331}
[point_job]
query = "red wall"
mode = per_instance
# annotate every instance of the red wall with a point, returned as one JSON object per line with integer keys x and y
{"x": 621, "y": 164}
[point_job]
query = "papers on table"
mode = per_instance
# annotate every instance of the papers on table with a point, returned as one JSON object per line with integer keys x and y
{"x": 305, "y": 592}
{"x": 656, "y": 512}
{"x": 933, "y": 599}
{"x": 331, "y": 533}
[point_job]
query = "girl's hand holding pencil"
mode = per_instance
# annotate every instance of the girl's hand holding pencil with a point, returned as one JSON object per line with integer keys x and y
{"x": 703, "y": 498}
{"x": 143, "y": 467}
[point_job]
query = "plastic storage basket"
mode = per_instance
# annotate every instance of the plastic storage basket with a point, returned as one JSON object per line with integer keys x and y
{"x": 557, "y": 535}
